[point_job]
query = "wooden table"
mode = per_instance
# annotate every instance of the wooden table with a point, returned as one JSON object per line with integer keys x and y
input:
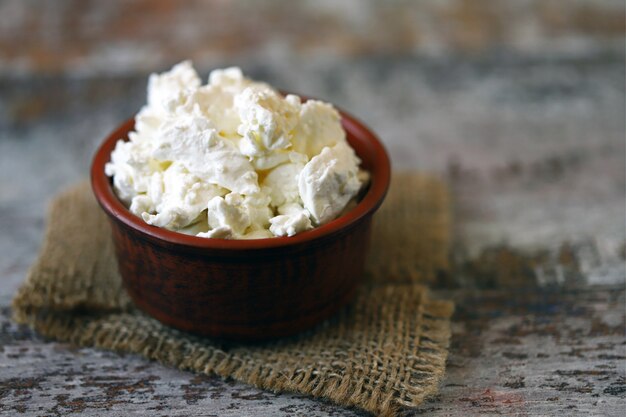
{"x": 532, "y": 145}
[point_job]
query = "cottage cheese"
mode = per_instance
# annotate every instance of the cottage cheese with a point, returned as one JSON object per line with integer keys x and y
{"x": 233, "y": 158}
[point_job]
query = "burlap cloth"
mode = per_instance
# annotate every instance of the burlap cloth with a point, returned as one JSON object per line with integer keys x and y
{"x": 386, "y": 351}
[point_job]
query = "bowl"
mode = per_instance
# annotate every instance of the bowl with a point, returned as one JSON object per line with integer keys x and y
{"x": 245, "y": 290}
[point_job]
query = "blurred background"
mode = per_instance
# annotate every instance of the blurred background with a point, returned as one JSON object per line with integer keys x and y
{"x": 518, "y": 104}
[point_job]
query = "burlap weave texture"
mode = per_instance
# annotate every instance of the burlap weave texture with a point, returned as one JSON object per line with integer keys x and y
{"x": 386, "y": 351}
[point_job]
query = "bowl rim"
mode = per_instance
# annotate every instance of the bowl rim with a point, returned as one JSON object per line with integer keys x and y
{"x": 380, "y": 175}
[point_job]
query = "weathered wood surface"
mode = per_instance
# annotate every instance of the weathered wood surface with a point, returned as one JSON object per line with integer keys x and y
{"x": 534, "y": 352}
{"x": 531, "y": 141}
{"x": 118, "y": 37}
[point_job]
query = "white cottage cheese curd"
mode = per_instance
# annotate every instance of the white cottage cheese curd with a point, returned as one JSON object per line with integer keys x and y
{"x": 233, "y": 159}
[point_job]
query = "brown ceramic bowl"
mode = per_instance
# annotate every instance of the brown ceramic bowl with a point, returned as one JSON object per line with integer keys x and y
{"x": 244, "y": 289}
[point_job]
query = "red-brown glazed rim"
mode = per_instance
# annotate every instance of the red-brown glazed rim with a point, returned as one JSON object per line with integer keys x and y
{"x": 362, "y": 139}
